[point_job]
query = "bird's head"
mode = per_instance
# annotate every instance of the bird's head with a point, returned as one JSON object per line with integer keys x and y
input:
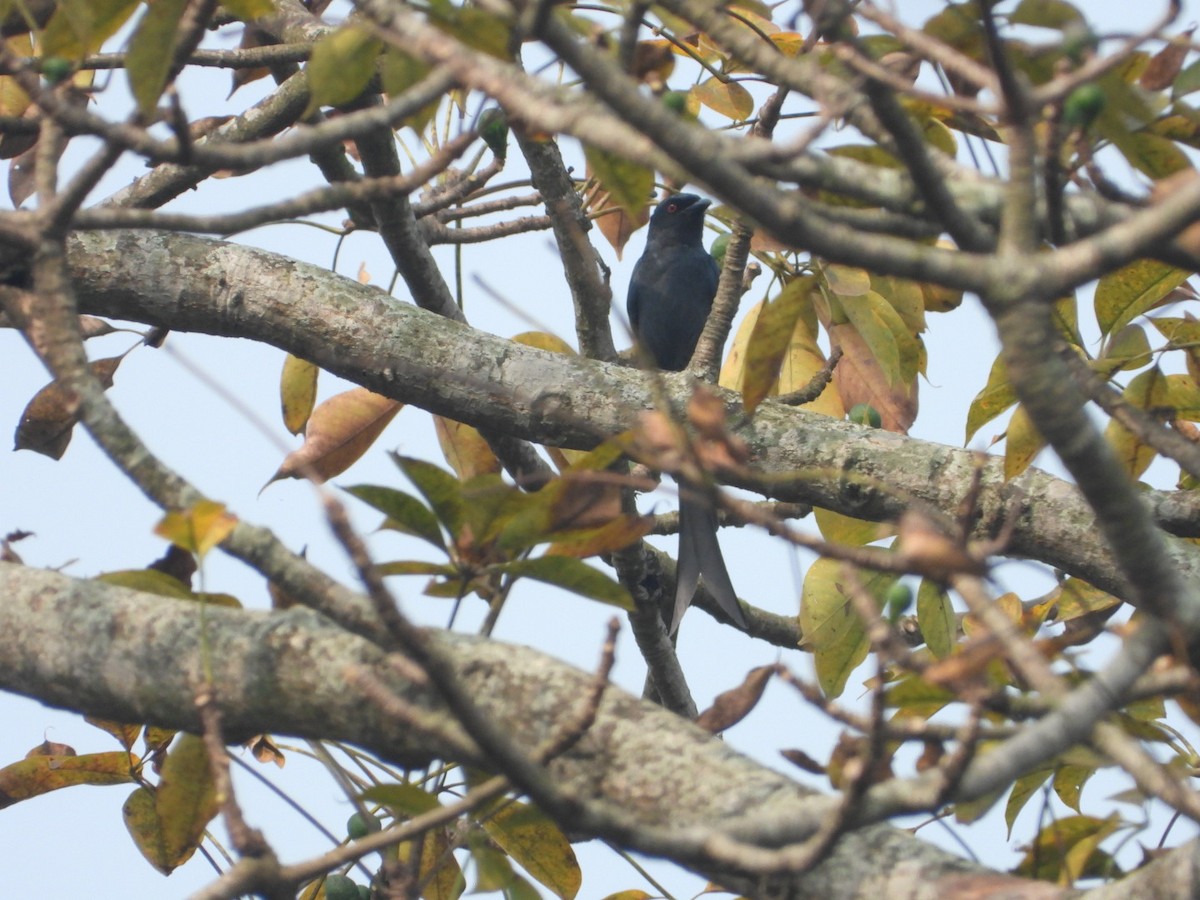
{"x": 680, "y": 217}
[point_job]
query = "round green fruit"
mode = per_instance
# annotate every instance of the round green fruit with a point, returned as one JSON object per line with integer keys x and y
{"x": 865, "y": 414}
{"x": 339, "y": 887}
{"x": 359, "y": 826}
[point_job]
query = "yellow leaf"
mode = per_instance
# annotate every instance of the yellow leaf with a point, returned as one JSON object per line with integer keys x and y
{"x": 1022, "y": 444}
{"x": 465, "y": 449}
{"x": 830, "y": 627}
{"x": 41, "y": 774}
{"x": 726, "y": 97}
{"x": 772, "y": 333}
{"x": 199, "y": 528}
{"x": 537, "y": 845}
{"x": 297, "y": 392}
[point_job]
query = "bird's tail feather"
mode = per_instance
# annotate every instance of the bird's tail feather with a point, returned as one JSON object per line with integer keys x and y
{"x": 700, "y": 555}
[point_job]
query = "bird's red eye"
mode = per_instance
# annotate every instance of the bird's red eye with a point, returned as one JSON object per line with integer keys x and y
{"x": 672, "y": 207}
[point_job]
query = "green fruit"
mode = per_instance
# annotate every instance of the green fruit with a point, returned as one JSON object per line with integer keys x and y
{"x": 1083, "y": 105}
{"x": 719, "y": 246}
{"x": 56, "y": 69}
{"x": 897, "y": 601}
{"x": 865, "y": 414}
{"x": 339, "y": 887}
{"x": 493, "y": 128}
{"x": 676, "y": 102}
{"x": 359, "y": 826}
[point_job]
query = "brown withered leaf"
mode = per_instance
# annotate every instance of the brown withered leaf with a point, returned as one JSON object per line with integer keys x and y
{"x": 252, "y": 36}
{"x": 930, "y": 756}
{"x": 1165, "y": 65}
{"x": 7, "y": 553}
{"x": 49, "y": 418}
{"x": 733, "y": 705}
{"x": 802, "y": 760}
{"x": 860, "y": 379}
{"x": 1189, "y": 238}
{"x": 849, "y": 758}
{"x": 339, "y": 431}
{"x": 91, "y": 326}
{"x": 616, "y": 224}
{"x": 928, "y": 551}
{"x": 51, "y": 748}
{"x": 966, "y": 666}
{"x": 265, "y": 750}
{"x": 653, "y": 62}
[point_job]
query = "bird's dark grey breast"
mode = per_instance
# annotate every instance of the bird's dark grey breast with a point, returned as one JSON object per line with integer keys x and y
{"x": 670, "y": 295}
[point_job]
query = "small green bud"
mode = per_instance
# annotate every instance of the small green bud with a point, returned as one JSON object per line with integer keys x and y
{"x": 359, "y": 826}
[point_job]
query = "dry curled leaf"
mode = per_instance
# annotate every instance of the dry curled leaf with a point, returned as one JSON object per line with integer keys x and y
{"x": 733, "y": 705}
{"x": 49, "y": 418}
{"x": 339, "y": 431}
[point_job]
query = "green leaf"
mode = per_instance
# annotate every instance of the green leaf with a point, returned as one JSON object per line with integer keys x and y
{"x": 1069, "y": 782}
{"x": 573, "y": 575}
{"x": 249, "y": 10}
{"x": 935, "y": 615}
{"x": 996, "y": 397}
{"x": 477, "y": 28}
{"x": 536, "y": 844}
{"x": 168, "y": 823}
{"x": 830, "y": 627}
{"x": 629, "y": 184}
{"x": 151, "y": 51}
{"x": 401, "y": 797}
{"x": 892, "y": 345}
{"x": 397, "y": 73}
{"x": 441, "y": 490}
{"x": 80, "y": 27}
{"x": 1023, "y": 788}
{"x": 1046, "y": 14}
{"x": 404, "y": 512}
{"x": 770, "y": 339}
{"x": 1146, "y": 391}
{"x": 1187, "y": 81}
{"x": 341, "y": 67}
{"x": 1127, "y": 293}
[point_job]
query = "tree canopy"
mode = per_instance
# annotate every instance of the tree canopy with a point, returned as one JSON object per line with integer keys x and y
{"x": 1015, "y": 169}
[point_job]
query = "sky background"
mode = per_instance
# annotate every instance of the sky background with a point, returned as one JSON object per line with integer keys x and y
{"x": 88, "y": 520}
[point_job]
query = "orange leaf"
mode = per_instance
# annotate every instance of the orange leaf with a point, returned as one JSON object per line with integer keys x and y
{"x": 339, "y": 431}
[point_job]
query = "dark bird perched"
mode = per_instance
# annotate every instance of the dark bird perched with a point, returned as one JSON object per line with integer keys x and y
{"x": 670, "y": 295}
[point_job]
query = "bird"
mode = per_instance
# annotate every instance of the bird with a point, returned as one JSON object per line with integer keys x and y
{"x": 670, "y": 295}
